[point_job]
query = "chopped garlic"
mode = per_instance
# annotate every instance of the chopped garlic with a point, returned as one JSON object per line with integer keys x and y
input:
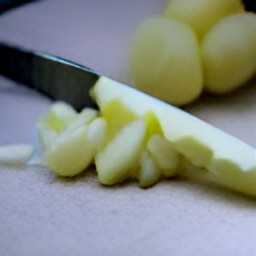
{"x": 15, "y": 154}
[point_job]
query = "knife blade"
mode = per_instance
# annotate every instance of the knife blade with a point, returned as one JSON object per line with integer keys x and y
{"x": 58, "y": 78}
{"x": 6, "y": 5}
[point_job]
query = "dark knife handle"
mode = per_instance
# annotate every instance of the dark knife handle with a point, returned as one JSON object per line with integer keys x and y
{"x": 58, "y": 78}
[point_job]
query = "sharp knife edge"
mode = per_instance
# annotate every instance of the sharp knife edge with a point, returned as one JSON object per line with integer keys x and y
{"x": 53, "y": 76}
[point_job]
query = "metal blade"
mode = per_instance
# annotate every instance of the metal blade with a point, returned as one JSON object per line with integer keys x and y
{"x": 6, "y": 5}
{"x": 58, "y": 78}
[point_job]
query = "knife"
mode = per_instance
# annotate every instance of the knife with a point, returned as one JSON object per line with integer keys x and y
{"x": 53, "y": 76}
{"x": 6, "y": 5}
